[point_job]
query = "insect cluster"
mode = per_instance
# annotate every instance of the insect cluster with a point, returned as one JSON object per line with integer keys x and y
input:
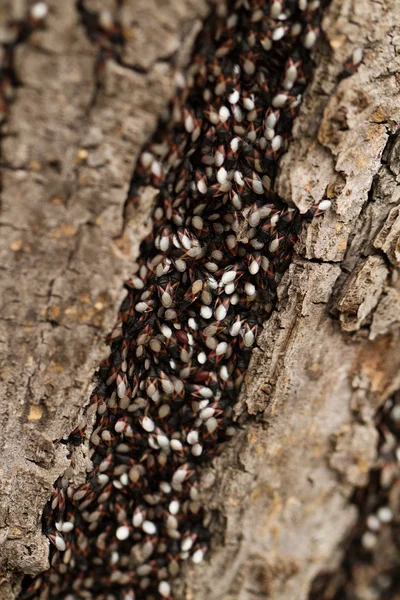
{"x": 371, "y": 566}
{"x": 204, "y": 283}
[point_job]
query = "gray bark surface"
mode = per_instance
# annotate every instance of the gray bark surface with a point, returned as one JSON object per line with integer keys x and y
{"x": 327, "y": 358}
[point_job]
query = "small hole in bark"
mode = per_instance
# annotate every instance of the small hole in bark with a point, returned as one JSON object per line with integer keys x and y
{"x": 55, "y": 164}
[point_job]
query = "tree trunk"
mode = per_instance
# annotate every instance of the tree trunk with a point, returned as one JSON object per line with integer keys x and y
{"x": 327, "y": 358}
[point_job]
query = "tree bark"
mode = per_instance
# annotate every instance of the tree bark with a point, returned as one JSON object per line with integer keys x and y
{"x": 328, "y": 356}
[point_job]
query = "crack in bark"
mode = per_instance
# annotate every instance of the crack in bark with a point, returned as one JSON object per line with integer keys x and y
{"x": 348, "y": 267}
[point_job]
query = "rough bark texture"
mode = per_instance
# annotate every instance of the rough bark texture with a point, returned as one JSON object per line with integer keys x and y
{"x": 70, "y": 144}
{"x": 327, "y": 358}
